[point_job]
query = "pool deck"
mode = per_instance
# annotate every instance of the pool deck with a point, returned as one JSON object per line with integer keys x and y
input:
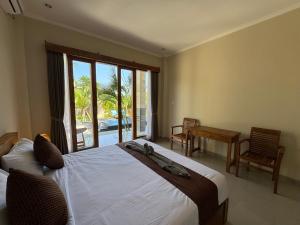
{"x": 107, "y": 137}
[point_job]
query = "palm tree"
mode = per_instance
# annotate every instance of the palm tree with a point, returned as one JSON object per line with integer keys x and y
{"x": 82, "y": 93}
{"x": 108, "y": 97}
{"x": 126, "y": 98}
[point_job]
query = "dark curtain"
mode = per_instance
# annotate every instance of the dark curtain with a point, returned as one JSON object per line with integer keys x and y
{"x": 56, "y": 88}
{"x": 154, "y": 105}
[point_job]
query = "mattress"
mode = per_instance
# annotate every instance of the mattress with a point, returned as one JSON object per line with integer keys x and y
{"x": 108, "y": 186}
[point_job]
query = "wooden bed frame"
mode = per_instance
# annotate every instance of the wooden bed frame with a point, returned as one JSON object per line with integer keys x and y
{"x": 8, "y": 140}
{"x": 220, "y": 216}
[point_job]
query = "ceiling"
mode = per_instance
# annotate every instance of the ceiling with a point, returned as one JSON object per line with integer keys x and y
{"x": 161, "y": 27}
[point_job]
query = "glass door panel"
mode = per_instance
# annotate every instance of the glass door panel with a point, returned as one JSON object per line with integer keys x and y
{"x": 142, "y": 103}
{"x": 127, "y": 104}
{"x": 83, "y": 104}
{"x": 107, "y": 103}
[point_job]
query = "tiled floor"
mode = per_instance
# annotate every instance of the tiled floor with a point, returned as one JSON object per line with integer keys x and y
{"x": 251, "y": 198}
{"x": 105, "y": 137}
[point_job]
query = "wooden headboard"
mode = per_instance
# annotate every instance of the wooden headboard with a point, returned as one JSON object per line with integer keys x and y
{"x": 7, "y": 141}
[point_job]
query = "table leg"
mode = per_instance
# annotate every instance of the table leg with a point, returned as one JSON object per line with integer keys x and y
{"x": 234, "y": 155}
{"x": 192, "y": 146}
{"x": 205, "y": 145}
{"x": 187, "y": 146}
{"x": 199, "y": 143}
{"x": 228, "y": 163}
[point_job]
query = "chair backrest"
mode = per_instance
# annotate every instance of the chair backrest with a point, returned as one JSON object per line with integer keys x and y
{"x": 189, "y": 123}
{"x": 264, "y": 141}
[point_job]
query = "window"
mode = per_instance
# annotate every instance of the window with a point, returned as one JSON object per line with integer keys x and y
{"x": 109, "y": 103}
{"x": 143, "y": 102}
{"x": 83, "y": 114}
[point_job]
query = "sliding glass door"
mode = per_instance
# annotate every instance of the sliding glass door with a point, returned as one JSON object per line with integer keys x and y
{"x": 107, "y": 107}
{"x": 82, "y": 101}
{"x": 143, "y": 101}
{"x": 109, "y": 103}
{"x": 127, "y": 100}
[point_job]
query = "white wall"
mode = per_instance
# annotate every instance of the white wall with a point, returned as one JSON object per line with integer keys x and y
{"x": 248, "y": 78}
{"x": 8, "y": 97}
{"x": 13, "y": 117}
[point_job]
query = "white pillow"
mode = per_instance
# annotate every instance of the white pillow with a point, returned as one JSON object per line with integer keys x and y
{"x": 23, "y": 145}
{"x": 3, "y": 212}
{"x": 21, "y": 157}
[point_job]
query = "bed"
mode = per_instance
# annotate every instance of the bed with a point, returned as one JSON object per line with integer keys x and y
{"x": 109, "y": 186}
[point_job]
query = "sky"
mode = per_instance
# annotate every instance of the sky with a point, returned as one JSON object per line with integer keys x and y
{"x": 103, "y": 71}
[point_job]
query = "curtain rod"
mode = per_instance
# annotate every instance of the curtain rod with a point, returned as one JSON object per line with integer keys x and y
{"x": 98, "y": 57}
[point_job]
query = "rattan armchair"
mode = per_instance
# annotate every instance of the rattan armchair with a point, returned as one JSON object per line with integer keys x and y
{"x": 264, "y": 149}
{"x": 182, "y": 136}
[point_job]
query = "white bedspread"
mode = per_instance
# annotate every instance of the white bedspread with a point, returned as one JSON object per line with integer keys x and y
{"x": 108, "y": 186}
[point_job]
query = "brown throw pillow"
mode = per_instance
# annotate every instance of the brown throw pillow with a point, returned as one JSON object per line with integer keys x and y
{"x": 47, "y": 153}
{"x": 34, "y": 200}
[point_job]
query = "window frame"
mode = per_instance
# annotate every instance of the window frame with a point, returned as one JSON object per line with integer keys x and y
{"x": 70, "y": 59}
{"x": 72, "y": 101}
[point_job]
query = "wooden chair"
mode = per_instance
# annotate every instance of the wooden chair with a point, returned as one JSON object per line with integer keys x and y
{"x": 79, "y": 133}
{"x": 182, "y": 136}
{"x": 264, "y": 149}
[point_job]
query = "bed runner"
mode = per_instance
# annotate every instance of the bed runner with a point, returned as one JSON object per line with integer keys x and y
{"x": 202, "y": 191}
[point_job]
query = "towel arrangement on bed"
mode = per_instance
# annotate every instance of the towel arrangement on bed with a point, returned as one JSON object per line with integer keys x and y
{"x": 163, "y": 162}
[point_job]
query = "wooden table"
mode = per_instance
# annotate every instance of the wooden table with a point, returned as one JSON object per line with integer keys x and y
{"x": 226, "y": 136}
